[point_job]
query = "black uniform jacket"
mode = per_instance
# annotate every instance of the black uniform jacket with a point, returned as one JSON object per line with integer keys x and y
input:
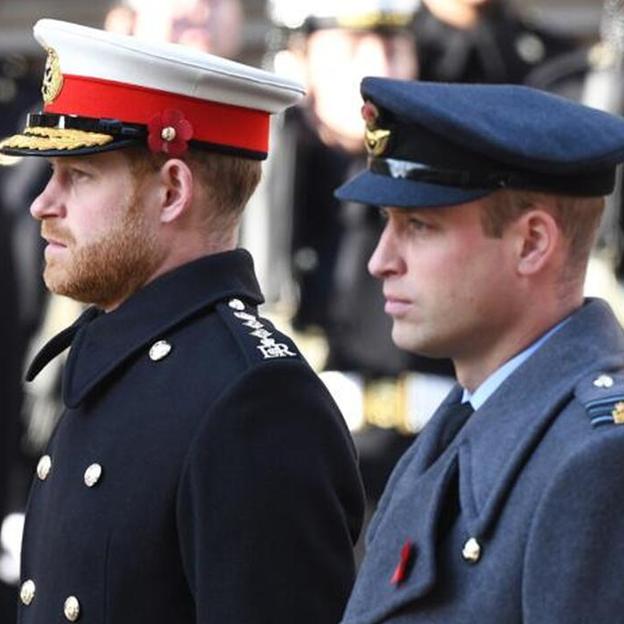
{"x": 200, "y": 473}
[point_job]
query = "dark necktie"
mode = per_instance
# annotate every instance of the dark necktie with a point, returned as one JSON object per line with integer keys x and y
{"x": 455, "y": 420}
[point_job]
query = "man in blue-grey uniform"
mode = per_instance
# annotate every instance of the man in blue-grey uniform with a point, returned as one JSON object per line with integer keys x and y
{"x": 508, "y": 508}
{"x": 200, "y": 473}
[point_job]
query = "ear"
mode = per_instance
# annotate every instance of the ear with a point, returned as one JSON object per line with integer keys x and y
{"x": 538, "y": 238}
{"x": 176, "y": 179}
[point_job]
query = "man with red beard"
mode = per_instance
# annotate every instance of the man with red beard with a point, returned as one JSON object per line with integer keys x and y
{"x": 200, "y": 472}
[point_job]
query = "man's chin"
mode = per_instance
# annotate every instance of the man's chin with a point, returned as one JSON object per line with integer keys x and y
{"x": 59, "y": 283}
{"x": 413, "y": 343}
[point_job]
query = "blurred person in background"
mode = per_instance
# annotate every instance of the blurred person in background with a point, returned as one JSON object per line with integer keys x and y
{"x": 18, "y": 91}
{"x": 214, "y": 26}
{"x": 10, "y": 392}
{"x": 481, "y": 41}
{"x": 593, "y": 75}
{"x": 316, "y": 246}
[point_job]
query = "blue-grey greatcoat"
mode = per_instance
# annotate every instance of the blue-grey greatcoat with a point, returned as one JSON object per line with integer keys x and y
{"x": 535, "y": 478}
{"x": 200, "y": 474}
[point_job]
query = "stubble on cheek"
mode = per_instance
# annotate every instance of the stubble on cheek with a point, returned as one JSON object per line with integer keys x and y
{"x": 109, "y": 269}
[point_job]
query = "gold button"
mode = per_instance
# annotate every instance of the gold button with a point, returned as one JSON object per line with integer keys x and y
{"x": 236, "y": 304}
{"x": 72, "y": 609}
{"x": 92, "y": 475}
{"x": 43, "y": 467}
{"x": 604, "y": 381}
{"x": 160, "y": 350}
{"x": 472, "y": 550}
{"x": 27, "y": 592}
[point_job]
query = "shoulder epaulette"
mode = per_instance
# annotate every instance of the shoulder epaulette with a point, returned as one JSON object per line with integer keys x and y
{"x": 602, "y": 395}
{"x": 257, "y": 336}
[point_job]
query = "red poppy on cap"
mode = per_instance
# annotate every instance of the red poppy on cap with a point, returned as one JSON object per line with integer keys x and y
{"x": 370, "y": 113}
{"x": 169, "y": 132}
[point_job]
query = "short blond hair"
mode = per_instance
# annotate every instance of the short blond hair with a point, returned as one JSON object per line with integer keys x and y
{"x": 578, "y": 218}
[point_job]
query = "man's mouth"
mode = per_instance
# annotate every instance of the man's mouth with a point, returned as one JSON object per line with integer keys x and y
{"x": 396, "y": 306}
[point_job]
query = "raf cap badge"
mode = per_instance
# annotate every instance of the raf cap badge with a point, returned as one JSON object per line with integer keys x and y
{"x": 52, "y": 77}
{"x": 376, "y": 139}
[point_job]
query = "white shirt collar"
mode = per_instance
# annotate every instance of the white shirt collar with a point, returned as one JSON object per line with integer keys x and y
{"x": 492, "y": 383}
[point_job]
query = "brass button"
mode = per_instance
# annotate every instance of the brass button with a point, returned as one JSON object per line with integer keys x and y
{"x": 43, "y": 467}
{"x": 92, "y": 475}
{"x": 159, "y": 350}
{"x": 168, "y": 134}
{"x": 27, "y": 592}
{"x": 236, "y": 304}
{"x": 604, "y": 381}
{"x": 72, "y": 609}
{"x": 472, "y": 551}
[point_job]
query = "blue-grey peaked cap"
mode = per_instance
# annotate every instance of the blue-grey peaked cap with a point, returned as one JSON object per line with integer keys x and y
{"x": 435, "y": 144}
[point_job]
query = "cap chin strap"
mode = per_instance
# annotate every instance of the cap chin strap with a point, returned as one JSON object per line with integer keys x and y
{"x": 112, "y": 127}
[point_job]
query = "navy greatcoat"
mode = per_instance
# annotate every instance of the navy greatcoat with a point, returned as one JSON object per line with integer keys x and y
{"x": 521, "y": 518}
{"x": 200, "y": 473}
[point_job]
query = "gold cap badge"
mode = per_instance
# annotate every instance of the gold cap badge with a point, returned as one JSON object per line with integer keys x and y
{"x": 52, "y": 77}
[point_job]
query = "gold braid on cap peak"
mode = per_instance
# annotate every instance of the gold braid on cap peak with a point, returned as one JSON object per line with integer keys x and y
{"x": 43, "y": 139}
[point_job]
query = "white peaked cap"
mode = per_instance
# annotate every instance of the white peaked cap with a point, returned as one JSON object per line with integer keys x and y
{"x": 95, "y": 78}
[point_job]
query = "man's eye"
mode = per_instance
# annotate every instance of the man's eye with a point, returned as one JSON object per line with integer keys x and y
{"x": 78, "y": 174}
{"x": 417, "y": 225}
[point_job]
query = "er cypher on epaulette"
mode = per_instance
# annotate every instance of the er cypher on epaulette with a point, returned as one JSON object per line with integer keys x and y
{"x": 256, "y": 335}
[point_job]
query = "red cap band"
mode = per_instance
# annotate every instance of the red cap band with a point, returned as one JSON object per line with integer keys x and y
{"x": 213, "y": 122}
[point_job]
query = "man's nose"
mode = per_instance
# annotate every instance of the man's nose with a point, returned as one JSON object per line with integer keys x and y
{"x": 48, "y": 203}
{"x": 386, "y": 259}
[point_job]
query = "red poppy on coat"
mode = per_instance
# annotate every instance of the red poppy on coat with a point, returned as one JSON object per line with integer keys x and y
{"x": 405, "y": 563}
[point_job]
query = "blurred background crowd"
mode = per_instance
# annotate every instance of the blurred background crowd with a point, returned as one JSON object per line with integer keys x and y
{"x": 310, "y": 250}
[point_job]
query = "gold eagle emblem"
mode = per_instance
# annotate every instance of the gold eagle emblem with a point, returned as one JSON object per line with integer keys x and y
{"x": 376, "y": 141}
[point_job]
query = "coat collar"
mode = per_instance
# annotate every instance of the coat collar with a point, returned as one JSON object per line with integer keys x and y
{"x": 486, "y": 456}
{"x": 497, "y": 440}
{"x": 101, "y": 342}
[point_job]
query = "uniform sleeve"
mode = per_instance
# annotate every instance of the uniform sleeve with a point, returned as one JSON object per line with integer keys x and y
{"x": 270, "y": 503}
{"x": 574, "y": 564}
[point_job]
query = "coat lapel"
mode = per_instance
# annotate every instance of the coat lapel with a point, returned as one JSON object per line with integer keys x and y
{"x": 408, "y": 514}
{"x": 500, "y": 437}
{"x": 412, "y": 518}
